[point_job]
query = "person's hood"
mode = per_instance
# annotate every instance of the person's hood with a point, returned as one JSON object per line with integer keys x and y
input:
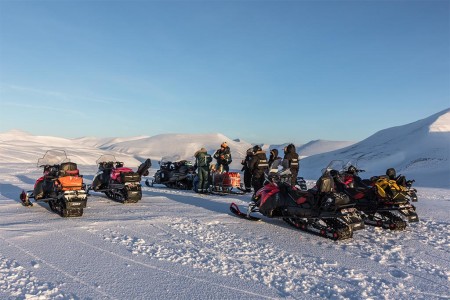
{"x": 290, "y": 148}
{"x": 274, "y": 153}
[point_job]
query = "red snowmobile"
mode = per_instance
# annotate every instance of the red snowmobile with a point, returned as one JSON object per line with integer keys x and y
{"x": 119, "y": 183}
{"x": 320, "y": 211}
{"x": 61, "y": 186}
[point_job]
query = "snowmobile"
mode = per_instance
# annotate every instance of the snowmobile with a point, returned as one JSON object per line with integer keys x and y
{"x": 401, "y": 181}
{"x": 320, "y": 211}
{"x": 382, "y": 201}
{"x": 117, "y": 182}
{"x": 174, "y": 173}
{"x": 61, "y": 185}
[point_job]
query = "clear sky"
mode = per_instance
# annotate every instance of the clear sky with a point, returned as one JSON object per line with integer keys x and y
{"x": 262, "y": 71}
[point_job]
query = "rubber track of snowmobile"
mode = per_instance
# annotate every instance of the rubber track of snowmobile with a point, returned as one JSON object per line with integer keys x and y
{"x": 336, "y": 229}
{"x": 121, "y": 199}
{"x": 388, "y": 221}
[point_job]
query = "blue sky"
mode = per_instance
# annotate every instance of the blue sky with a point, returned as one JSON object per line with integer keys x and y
{"x": 262, "y": 71}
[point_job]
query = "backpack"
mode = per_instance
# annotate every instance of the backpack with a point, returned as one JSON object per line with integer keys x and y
{"x": 325, "y": 184}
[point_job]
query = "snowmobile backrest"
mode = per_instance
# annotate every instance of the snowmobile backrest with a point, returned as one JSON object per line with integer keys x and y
{"x": 68, "y": 169}
{"x": 143, "y": 168}
{"x": 325, "y": 184}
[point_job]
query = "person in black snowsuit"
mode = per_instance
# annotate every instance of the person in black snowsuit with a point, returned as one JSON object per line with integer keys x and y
{"x": 291, "y": 155}
{"x": 223, "y": 157}
{"x": 202, "y": 161}
{"x": 246, "y": 169}
{"x": 258, "y": 166}
{"x": 273, "y": 156}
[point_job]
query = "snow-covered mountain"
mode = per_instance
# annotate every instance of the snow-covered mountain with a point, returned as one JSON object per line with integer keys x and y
{"x": 321, "y": 146}
{"x": 311, "y": 148}
{"x": 419, "y": 150}
{"x": 183, "y": 145}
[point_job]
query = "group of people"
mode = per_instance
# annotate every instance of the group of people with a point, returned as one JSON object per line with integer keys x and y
{"x": 255, "y": 165}
{"x": 203, "y": 161}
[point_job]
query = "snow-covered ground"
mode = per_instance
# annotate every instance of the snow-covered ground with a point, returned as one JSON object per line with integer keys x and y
{"x": 180, "y": 245}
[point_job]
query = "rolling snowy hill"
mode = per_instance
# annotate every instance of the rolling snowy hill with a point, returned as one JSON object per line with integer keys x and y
{"x": 133, "y": 150}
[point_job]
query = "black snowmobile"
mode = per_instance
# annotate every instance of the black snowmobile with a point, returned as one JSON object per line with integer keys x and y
{"x": 320, "y": 211}
{"x": 174, "y": 173}
{"x": 382, "y": 201}
{"x": 61, "y": 185}
{"x": 119, "y": 183}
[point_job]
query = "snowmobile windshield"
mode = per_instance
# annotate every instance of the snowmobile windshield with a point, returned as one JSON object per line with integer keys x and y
{"x": 106, "y": 158}
{"x": 53, "y": 157}
{"x": 337, "y": 165}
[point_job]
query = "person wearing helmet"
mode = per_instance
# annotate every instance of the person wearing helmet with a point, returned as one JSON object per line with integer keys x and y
{"x": 223, "y": 157}
{"x": 291, "y": 155}
{"x": 258, "y": 166}
{"x": 352, "y": 170}
{"x": 391, "y": 173}
{"x": 246, "y": 169}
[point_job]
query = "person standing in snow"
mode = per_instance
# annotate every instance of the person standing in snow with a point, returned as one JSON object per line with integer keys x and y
{"x": 259, "y": 166}
{"x": 291, "y": 155}
{"x": 246, "y": 169}
{"x": 202, "y": 161}
{"x": 223, "y": 157}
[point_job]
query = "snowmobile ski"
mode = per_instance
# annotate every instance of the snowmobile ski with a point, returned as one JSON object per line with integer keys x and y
{"x": 234, "y": 208}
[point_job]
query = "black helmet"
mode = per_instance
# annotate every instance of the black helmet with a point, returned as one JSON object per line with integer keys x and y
{"x": 352, "y": 170}
{"x": 256, "y": 148}
{"x": 391, "y": 173}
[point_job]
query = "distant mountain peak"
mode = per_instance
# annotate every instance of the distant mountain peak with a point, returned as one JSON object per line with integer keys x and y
{"x": 442, "y": 123}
